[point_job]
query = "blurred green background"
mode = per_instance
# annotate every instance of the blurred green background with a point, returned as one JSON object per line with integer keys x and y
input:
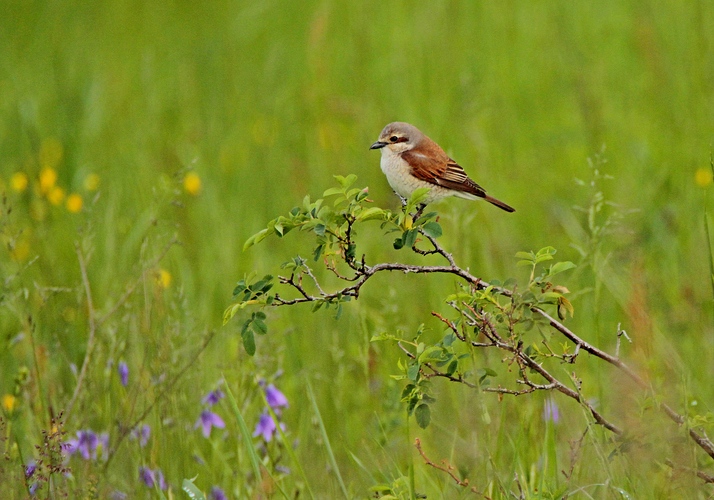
{"x": 262, "y": 103}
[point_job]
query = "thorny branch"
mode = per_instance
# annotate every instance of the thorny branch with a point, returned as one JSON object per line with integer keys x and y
{"x": 363, "y": 272}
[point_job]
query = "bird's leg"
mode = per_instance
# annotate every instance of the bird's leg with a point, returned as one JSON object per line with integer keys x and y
{"x": 402, "y": 199}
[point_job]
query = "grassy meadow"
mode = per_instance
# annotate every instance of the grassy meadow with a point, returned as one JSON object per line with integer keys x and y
{"x": 142, "y": 143}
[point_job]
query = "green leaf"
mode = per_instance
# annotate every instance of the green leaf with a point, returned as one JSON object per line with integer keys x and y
{"x": 249, "y": 342}
{"x": 432, "y": 229}
{"x": 373, "y": 213}
{"x": 559, "y": 267}
{"x": 398, "y": 244}
{"x": 413, "y": 372}
{"x": 260, "y": 327}
{"x": 332, "y": 191}
{"x": 417, "y": 197}
{"x": 544, "y": 254}
{"x": 452, "y": 367}
{"x": 409, "y": 237}
{"x": 318, "y": 251}
{"x": 430, "y": 354}
{"x": 257, "y": 238}
{"x": 525, "y": 255}
{"x": 351, "y": 252}
{"x": 407, "y": 391}
{"x": 423, "y": 415}
{"x": 192, "y": 490}
{"x": 319, "y": 229}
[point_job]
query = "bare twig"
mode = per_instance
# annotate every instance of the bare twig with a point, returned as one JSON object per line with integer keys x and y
{"x": 445, "y": 467}
{"x": 91, "y": 313}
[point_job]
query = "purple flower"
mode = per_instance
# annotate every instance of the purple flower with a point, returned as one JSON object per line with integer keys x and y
{"x": 30, "y": 469}
{"x": 213, "y": 397}
{"x": 87, "y": 443}
{"x": 266, "y": 427}
{"x": 276, "y": 399}
{"x": 217, "y": 494}
{"x": 142, "y": 434}
{"x": 33, "y": 488}
{"x": 152, "y": 477}
{"x": 147, "y": 475}
{"x": 70, "y": 447}
{"x": 123, "y": 373}
{"x": 207, "y": 420}
{"x": 550, "y": 411}
{"x": 160, "y": 479}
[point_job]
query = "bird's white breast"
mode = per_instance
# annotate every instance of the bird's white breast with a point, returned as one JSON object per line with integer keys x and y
{"x": 399, "y": 176}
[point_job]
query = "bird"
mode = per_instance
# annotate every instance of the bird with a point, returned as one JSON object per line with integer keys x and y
{"x": 411, "y": 160}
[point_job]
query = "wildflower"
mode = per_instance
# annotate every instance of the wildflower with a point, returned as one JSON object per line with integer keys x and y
{"x": 208, "y": 420}
{"x": 213, "y": 397}
{"x": 33, "y": 488}
{"x": 74, "y": 203}
{"x": 48, "y": 178}
{"x": 550, "y": 411}
{"x": 91, "y": 182}
{"x": 123, "y": 370}
{"x": 164, "y": 278}
{"x": 152, "y": 477}
{"x": 266, "y": 427}
{"x": 147, "y": 475}
{"x": 19, "y": 181}
{"x": 276, "y": 399}
{"x": 703, "y": 176}
{"x": 282, "y": 469}
{"x": 8, "y": 402}
{"x": 87, "y": 444}
{"x": 56, "y": 195}
{"x": 30, "y": 469}
{"x": 192, "y": 183}
{"x": 142, "y": 434}
{"x": 217, "y": 494}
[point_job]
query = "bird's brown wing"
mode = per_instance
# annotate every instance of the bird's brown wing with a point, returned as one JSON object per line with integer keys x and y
{"x": 434, "y": 166}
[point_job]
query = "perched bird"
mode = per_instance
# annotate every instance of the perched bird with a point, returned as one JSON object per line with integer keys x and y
{"x": 411, "y": 160}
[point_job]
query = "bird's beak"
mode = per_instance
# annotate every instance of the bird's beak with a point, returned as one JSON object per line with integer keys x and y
{"x": 378, "y": 145}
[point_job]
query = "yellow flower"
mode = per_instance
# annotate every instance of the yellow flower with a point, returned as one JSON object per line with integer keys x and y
{"x": 164, "y": 278}
{"x": 19, "y": 181}
{"x": 48, "y": 178}
{"x": 91, "y": 182}
{"x": 51, "y": 152}
{"x": 703, "y": 176}
{"x": 8, "y": 402}
{"x": 20, "y": 251}
{"x": 192, "y": 183}
{"x": 74, "y": 203}
{"x": 56, "y": 195}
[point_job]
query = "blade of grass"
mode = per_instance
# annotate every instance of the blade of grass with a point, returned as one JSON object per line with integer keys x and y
{"x": 325, "y": 439}
{"x": 247, "y": 437}
{"x": 288, "y": 449}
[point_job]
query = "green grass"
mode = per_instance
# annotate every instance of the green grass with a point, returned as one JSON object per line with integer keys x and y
{"x": 266, "y": 101}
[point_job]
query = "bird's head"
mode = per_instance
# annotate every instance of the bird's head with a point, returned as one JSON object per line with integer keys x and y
{"x": 398, "y": 137}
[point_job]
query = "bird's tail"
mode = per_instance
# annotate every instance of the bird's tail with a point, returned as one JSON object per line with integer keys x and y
{"x": 499, "y": 203}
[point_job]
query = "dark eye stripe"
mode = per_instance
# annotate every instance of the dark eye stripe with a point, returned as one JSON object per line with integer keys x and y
{"x": 402, "y": 139}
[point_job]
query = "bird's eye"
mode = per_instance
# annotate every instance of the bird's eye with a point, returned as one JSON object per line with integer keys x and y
{"x": 394, "y": 138}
